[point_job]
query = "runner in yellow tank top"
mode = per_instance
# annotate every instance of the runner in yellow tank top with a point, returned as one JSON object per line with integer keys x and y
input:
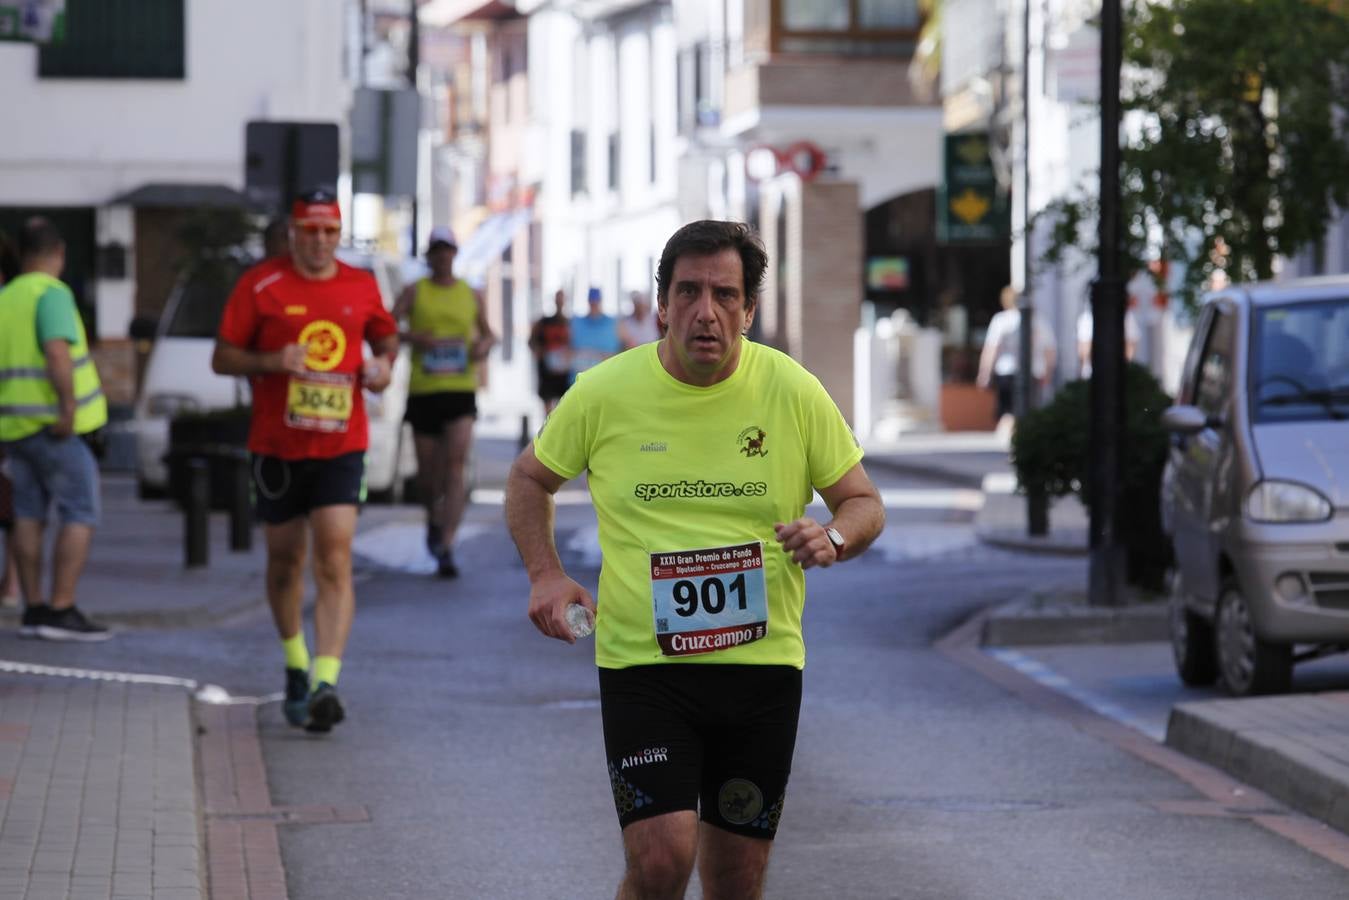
{"x": 448, "y": 331}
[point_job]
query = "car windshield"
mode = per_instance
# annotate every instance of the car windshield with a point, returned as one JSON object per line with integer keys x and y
{"x": 1300, "y": 365}
{"x": 201, "y": 299}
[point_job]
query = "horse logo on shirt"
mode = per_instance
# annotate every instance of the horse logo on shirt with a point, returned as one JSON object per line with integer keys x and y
{"x": 751, "y": 441}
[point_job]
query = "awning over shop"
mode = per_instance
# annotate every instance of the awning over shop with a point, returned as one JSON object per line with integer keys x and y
{"x": 486, "y": 244}
{"x": 183, "y": 196}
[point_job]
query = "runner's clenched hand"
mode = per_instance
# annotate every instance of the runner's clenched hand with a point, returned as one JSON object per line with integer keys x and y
{"x": 806, "y": 541}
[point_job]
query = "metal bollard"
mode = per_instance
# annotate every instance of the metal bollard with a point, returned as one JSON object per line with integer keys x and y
{"x": 241, "y": 506}
{"x": 197, "y": 514}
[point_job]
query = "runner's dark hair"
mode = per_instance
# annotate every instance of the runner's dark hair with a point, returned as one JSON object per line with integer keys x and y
{"x": 37, "y": 238}
{"x": 706, "y": 238}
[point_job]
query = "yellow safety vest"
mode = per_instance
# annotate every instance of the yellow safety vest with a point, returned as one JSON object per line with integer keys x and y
{"x": 28, "y": 401}
{"x": 451, "y": 315}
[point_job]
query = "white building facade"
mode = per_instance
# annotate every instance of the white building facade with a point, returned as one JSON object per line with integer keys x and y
{"x": 601, "y": 145}
{"x": 155, "y": 100}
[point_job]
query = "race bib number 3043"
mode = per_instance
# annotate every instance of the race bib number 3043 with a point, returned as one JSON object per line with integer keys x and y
{"x": 320, "y": 401}
{"x": 710, "y": 599}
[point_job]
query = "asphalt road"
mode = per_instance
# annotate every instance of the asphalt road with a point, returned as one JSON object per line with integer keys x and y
{"x": 475, "y": 745}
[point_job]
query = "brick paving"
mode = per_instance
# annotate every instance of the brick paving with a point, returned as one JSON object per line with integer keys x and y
{"x": 97, "y": 792}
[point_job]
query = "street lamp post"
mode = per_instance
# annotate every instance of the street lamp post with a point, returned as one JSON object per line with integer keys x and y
{"x": 1037, "y": 505}
{"x": 1106, "y": 562}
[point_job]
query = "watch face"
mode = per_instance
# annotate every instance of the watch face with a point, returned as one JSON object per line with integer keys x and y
{"x": 834, "y": 538}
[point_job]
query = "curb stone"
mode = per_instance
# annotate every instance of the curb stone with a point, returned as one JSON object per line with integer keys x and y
{"x": 1307, "y": 768}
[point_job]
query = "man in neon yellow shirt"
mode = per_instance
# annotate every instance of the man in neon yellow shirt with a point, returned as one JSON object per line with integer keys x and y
{"x": 701, "y": 452}
{"x": 50, "y": 398}
{"x": 447, "y": 328}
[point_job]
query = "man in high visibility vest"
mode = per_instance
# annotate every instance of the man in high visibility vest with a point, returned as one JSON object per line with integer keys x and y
{"x": 50, "y": 397}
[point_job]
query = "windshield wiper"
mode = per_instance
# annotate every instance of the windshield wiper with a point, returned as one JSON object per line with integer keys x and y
{"x": 1327, "y": 399}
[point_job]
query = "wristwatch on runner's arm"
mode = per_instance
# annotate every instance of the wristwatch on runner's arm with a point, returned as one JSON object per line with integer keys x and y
{"x": 836, "y": 539}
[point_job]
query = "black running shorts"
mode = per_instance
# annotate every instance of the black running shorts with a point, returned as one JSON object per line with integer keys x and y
{"x": 430, "y": 413}
{"x": 287, "y": 489}
{"x": 715, "y": 738}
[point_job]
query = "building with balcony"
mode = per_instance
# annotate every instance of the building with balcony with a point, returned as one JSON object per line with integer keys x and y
{"x": 801, "y": 117}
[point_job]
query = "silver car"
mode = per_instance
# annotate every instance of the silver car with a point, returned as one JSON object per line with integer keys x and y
{"x": 1255, "y": 495}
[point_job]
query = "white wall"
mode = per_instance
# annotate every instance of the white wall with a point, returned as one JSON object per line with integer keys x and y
{"x": 84, "y": 140}
{"x": 586, "y": 236}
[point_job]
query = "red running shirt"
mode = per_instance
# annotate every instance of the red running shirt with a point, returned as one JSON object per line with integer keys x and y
{"x": 320, "y": 414}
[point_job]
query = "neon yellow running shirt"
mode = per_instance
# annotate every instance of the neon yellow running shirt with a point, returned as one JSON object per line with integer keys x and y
{"x": 687, "y": 483}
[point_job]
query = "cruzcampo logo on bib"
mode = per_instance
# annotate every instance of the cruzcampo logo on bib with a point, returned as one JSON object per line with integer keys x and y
{"x": 709, "y": 599}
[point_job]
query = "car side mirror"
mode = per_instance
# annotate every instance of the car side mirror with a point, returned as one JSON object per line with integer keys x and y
{"x": 143, "y": 328}
{"x": 1187, "y": 420}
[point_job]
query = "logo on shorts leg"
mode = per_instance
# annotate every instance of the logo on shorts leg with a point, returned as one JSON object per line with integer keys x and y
{"x": 740, "y": 801}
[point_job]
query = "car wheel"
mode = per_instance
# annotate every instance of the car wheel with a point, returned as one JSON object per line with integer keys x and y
{"x": 1191, "y": 638}
{"x": 1247, "y": 665}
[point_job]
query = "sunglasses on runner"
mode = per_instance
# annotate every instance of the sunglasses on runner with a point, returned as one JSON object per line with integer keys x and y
{"x": 316, "y": 230}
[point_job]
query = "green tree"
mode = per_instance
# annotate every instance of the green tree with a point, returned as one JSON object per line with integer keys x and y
{"x": 1241, "y": 150}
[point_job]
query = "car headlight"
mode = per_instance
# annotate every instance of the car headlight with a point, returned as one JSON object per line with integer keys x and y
{"x": 169, "y": 405}
{"x": 1286, "y": 501}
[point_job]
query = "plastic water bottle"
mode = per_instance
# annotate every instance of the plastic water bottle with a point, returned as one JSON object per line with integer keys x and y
{"x": 579, "y": 620}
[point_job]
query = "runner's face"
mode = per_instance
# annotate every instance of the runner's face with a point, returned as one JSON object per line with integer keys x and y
{"x": 314, "y": 246}
{"x": 705, "y": 311}
{"x": 441, "y": 260}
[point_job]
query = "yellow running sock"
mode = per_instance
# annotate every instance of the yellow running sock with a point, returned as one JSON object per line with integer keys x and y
{"x": 326, "y": 669}
{"x": 297, "y": 654}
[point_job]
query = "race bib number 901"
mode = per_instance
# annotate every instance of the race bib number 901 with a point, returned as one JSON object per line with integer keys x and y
{"x": 710, "y": 599}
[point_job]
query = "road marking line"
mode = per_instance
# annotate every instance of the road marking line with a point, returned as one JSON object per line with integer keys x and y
{"x": 1043, "y": 674}
{"x": 212, "y": 694}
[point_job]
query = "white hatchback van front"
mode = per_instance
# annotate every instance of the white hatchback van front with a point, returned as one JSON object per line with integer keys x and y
{"x": 178, "y": 377}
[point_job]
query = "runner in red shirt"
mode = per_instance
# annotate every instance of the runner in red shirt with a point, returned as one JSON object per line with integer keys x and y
{"x": 296, "y": 327}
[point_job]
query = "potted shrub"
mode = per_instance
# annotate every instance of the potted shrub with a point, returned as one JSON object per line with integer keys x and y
{"x": 1050, "y": 453}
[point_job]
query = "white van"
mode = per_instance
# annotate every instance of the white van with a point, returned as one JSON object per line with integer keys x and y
{"x": 178, "y": 378}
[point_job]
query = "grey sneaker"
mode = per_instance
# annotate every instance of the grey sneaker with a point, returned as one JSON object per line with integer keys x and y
{"x": 70, "y": 624}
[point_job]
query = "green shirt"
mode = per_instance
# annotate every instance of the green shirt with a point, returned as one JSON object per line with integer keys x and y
{"x": 687, "y": 484}
{"x": 57, "y": 316}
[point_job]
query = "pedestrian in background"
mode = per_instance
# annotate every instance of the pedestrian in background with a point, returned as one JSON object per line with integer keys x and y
{"x": 450, "y": 337}
{"x": 594, "y": 336}
{"x": 276, "y": 239}
{"x": 1001, "y": 356}
{"x": 640, "y": 326}
{"x": 1084, "y": 332}
{"x": 702, "y": 588}
{"x": 550, "y": 342}
{"x": 50, "y": 398}
{"x": 297, "y": 327}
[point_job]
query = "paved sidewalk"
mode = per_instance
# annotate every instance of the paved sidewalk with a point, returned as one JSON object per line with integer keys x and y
{"x": 1295, "y": 748}
{"x": 97, "y": 792}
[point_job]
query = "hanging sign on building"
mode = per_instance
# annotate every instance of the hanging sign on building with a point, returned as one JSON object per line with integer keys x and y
{"x": 971, "y": 207}
{"x": 32, "y": 21}
{"x": 804, "y": 158}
